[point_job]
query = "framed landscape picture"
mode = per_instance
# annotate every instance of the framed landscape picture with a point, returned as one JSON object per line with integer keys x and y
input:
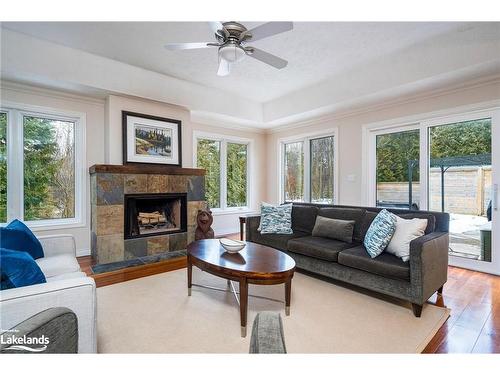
{"x": 151, "y": 139}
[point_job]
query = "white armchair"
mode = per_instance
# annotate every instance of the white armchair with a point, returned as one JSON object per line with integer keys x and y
{"x": 66, "y": 286}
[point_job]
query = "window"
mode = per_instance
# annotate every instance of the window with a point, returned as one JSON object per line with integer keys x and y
{"x": 294, "y": 172}
{"x": 41, "y": 170}
{"x": 208, "y": 158}
{"x": 236, "y": 174}
{"x": 398, "y": 180}
{"x": 322, "y": 169}
{"x": 308, "y": 170}
{"x": 226, "y": 163}
{"x": 49, "y": 168}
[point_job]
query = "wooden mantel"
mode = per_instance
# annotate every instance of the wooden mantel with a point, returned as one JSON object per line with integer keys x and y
{"x": 145, "y": 169}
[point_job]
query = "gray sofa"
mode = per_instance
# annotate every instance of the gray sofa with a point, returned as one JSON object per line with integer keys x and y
{"x": 414, "y": 281}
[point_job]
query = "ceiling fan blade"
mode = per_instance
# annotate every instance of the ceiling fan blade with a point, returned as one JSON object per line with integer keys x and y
{"x": 269, "y": 29}
{"x": 180, "y": 46}
{"x": 224, "y": 67}
{"x": 267, "y": 58}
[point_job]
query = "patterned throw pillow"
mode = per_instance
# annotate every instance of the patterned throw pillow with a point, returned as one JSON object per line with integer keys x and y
{"x": 380, "y": 233}
{"x": 275, "y": 219}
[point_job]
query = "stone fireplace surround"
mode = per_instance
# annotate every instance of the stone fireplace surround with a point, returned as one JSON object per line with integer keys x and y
{"x": 108, "y": 186}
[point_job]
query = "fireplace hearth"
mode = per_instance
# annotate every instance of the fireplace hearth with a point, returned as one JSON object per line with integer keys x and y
{"x": 154, "y": 214}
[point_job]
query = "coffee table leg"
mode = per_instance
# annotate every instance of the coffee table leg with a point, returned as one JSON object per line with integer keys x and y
{"x": 190, "y": 274}
{"x": 288, "y": 295}
{"x": 243, "y": 306}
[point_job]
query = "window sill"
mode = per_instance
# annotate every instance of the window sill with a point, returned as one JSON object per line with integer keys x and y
{"x": 237, "y": 211}
{"x": 48, "y": 225}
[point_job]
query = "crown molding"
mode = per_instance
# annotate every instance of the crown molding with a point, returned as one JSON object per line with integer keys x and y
{"x": 226, "y": 122}
{"x": 51, "y": 93}
{"x": 408, "y": 99}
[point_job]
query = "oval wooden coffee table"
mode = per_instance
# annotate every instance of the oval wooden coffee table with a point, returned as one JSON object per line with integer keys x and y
{"x": 255, "y": 264}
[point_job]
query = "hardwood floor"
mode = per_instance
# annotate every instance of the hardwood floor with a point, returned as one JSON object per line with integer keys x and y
{"x": 474, "y": 324}
{"x": 473, "y": 297}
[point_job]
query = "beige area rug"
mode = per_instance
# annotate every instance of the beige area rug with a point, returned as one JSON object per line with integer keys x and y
{"x": 154, "y": 315}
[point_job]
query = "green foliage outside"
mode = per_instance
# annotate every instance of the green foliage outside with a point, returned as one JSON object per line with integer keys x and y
{"x": 395, "y": 150}
{"x": 48, "y": 169}
{"x": 461, "y": 139}
{"x": 208, "y": 158}
{"x": 236, "y": 175}
{"x": 3, "y": 167}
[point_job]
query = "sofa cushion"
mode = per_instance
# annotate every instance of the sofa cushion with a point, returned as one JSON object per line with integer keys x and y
{"x": 278, "y": 241}
{"x": 346, "y": 213}
{"x": 431, "y": 220}
{"x": 318, "y": 247}
{"x": 333, "y": 228}
{"x": 18, "y": 269}
{"x": 366, "y": 221}
{"x": 385, "y": 264}
{"x": 58, "y": 265}
{"x": 303, "y": 218}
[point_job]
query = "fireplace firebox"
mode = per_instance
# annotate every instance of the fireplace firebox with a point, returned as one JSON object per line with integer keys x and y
{"x": 155, "y": 214}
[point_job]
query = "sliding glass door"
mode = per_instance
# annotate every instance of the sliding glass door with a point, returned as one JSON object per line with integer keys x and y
{"x": 447, "y": 164}
{"x": 460, "y": 183}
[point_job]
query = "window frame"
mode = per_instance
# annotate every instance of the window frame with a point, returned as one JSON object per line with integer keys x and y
{"x": 15, "y": 163}
{"x": 224, "y": 140}
{"x": 306, "y": 149}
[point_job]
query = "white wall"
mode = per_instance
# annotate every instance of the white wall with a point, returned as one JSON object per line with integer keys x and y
{"x": 94, "y": 112}
{"x": 350, "y": 135}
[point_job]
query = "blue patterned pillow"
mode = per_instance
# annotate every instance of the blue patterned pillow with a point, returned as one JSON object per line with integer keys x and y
{"x": 275, "y": 219}
{"x": 380, "y": 233}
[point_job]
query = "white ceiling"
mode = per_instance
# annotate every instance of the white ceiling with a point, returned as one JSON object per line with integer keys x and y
{"x": 316, "y": 51}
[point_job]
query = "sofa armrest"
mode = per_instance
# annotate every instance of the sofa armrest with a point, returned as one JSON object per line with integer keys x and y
{"x": 58, "y": 325}
{"x": 428, "y": 264}
{"x": 58, "y": 244}
{"x": 252, "y": 223}
{"x": 77, "y": 294}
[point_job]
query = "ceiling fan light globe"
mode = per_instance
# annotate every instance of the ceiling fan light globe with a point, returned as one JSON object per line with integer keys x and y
{"x": 232, "y": 53}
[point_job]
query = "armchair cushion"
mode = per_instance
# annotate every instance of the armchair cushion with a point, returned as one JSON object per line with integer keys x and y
{"x": 58, "y": 265}
{"x": 19, "y": 269}
{"x": 17, "y": 236}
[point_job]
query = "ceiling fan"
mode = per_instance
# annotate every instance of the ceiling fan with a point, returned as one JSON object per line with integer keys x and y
{"x": 231, "y": 38}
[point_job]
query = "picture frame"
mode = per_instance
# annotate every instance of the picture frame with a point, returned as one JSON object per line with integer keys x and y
{"x": 151, "y": 139}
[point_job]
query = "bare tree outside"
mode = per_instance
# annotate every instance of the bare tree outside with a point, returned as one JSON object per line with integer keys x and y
{"x": 294, "y": 172}
{"x": 322, "y": 169}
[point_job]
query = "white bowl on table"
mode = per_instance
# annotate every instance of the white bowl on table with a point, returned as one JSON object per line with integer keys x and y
{"x": 232, "y": 246}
